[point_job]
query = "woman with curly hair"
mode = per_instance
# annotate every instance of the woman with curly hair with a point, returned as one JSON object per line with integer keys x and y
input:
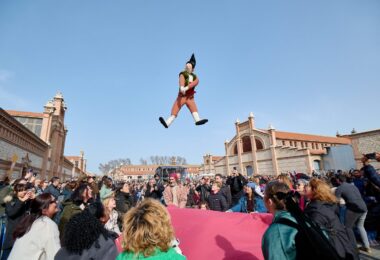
{"x": 76, "y": 204}
{"x": 148, "y": 233}
{"x": 86, "y": 238}
{"x": 37, "y": 235}
{"x": 285, "y": 179}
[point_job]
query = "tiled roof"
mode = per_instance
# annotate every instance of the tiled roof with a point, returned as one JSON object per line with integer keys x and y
{"x": 312, "y": 138}
{"x": 362, "y": 133}
{"x": 217, "y": 158}
{"x": 138, "y": 173}
{"x": 25, "y": 113}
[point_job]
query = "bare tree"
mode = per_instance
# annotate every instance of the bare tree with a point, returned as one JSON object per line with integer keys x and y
{"x": 113, "y": 164}
{"x": 143, "y": 161}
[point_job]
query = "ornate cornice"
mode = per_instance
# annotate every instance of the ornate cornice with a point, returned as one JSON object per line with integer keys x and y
{"x": 16, "y": 133}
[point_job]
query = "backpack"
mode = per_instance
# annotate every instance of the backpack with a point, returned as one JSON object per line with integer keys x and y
{"x": 311, "y": 242}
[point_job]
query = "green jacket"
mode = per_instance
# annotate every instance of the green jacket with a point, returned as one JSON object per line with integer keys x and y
{"x": 171, "y": 254}
{"x": 70, "y": 209}
{"x": 5, "y": 191}
{"x": 105, "y": 192}
{"x": 279, "y": 240}
{"x": 186, "y": 76}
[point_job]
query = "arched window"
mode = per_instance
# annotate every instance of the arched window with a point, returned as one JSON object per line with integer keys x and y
{"x": 247, "y": 147}
{"x": 235, "y": 149}
{"x": 259, "y": 144}
{"x": 249, "y": 170}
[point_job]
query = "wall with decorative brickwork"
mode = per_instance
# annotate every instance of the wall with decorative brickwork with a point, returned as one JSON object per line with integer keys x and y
{"x": 364, "y": 143}
{"x": 298, "y": 164}
{"x": 8, "y": 150}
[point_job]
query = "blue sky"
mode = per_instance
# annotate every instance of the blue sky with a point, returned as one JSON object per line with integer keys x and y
{"x": 304, "y": 66}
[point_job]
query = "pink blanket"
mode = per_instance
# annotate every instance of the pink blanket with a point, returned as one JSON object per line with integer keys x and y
{"x": 211, "y": 235}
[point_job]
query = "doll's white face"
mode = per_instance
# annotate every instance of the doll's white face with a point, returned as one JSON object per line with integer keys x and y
{"x": 189, "y": 67}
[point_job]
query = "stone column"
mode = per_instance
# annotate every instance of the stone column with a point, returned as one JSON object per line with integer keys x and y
{"x": 81, "y": 161}
{"x": 253, "y": 143}
{"x": 47, "y": 121}
{"x": 309, "y": 164}
{"x": 239, "y": 146}
{"x": 226, "y": 158}
{"x": 272, "y": 133}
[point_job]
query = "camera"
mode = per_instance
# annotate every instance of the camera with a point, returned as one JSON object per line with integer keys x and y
{"x": 370, "y": 156}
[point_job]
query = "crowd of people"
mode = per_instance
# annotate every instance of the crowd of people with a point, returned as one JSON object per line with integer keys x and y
{"x": 88, "y": 218}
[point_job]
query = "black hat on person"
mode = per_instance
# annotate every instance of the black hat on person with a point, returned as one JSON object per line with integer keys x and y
{"x": 192, "y": 61}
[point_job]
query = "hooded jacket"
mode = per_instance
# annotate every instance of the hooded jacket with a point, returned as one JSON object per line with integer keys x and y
{"x": 278, "y": 242}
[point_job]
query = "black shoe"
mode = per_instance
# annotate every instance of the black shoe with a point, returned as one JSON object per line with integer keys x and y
{"x": 201, "y": 122}
{"x": 163, "y": 122}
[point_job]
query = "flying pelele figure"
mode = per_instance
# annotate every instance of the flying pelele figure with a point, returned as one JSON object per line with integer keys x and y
{"x": 187, "y": 83}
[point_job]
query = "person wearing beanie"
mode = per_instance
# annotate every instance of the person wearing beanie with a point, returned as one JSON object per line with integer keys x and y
{"x": 187, "y": 83}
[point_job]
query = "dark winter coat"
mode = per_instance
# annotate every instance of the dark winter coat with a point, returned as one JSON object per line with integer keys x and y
{"x": 124, "y": 201}
{"x": 101, "y": 249}
{"x": 15, "y": 211}
{"x": 53, "y": 191}
{"x": 374, "y": 180}
{"x": 352, "y": 197}
{"x": 236, "y": 184}
{"x": 371, "y": 174}
{"x": 204, "y": 191}
{"x": 69, "y": 210}
{"x": 226, "y": 192}
{"x": 325, "y": 215}
{"x": 155, "y": 194}
{"x": 217, "y": 202}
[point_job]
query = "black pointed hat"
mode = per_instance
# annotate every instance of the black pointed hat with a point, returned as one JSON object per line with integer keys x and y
{"x": 192, "y": 61}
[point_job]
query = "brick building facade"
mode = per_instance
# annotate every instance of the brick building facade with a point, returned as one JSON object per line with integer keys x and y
{"x": 271, "y": 152}
{"x": 36, "y": 140}
{"x": 363, "y": 143}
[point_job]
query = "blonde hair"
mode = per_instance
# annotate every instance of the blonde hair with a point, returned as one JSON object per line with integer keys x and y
{"x": 147, "y": 227}
{"x": 285, "y": 179}
{"x": 321, "y": 191}
{"x": 219, "y": 185}
{"x": 105, "y": 202}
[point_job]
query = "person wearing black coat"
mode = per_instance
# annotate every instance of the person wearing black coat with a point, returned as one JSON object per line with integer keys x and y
{"x": 356, "y": 209}
{"x": 216, "y": 201}
{"x": 203, "y": 189}
{"x": 124, "y": 201}
{"x": 236, "y": 183}
{"x": 323, "y": 210}
{"x": 225, "y": 190}
{"x": 15, "y": 209}
{"x": 153, "y": 191}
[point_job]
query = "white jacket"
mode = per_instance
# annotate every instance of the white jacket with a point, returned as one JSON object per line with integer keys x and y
{"x": 40, "y": 243}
